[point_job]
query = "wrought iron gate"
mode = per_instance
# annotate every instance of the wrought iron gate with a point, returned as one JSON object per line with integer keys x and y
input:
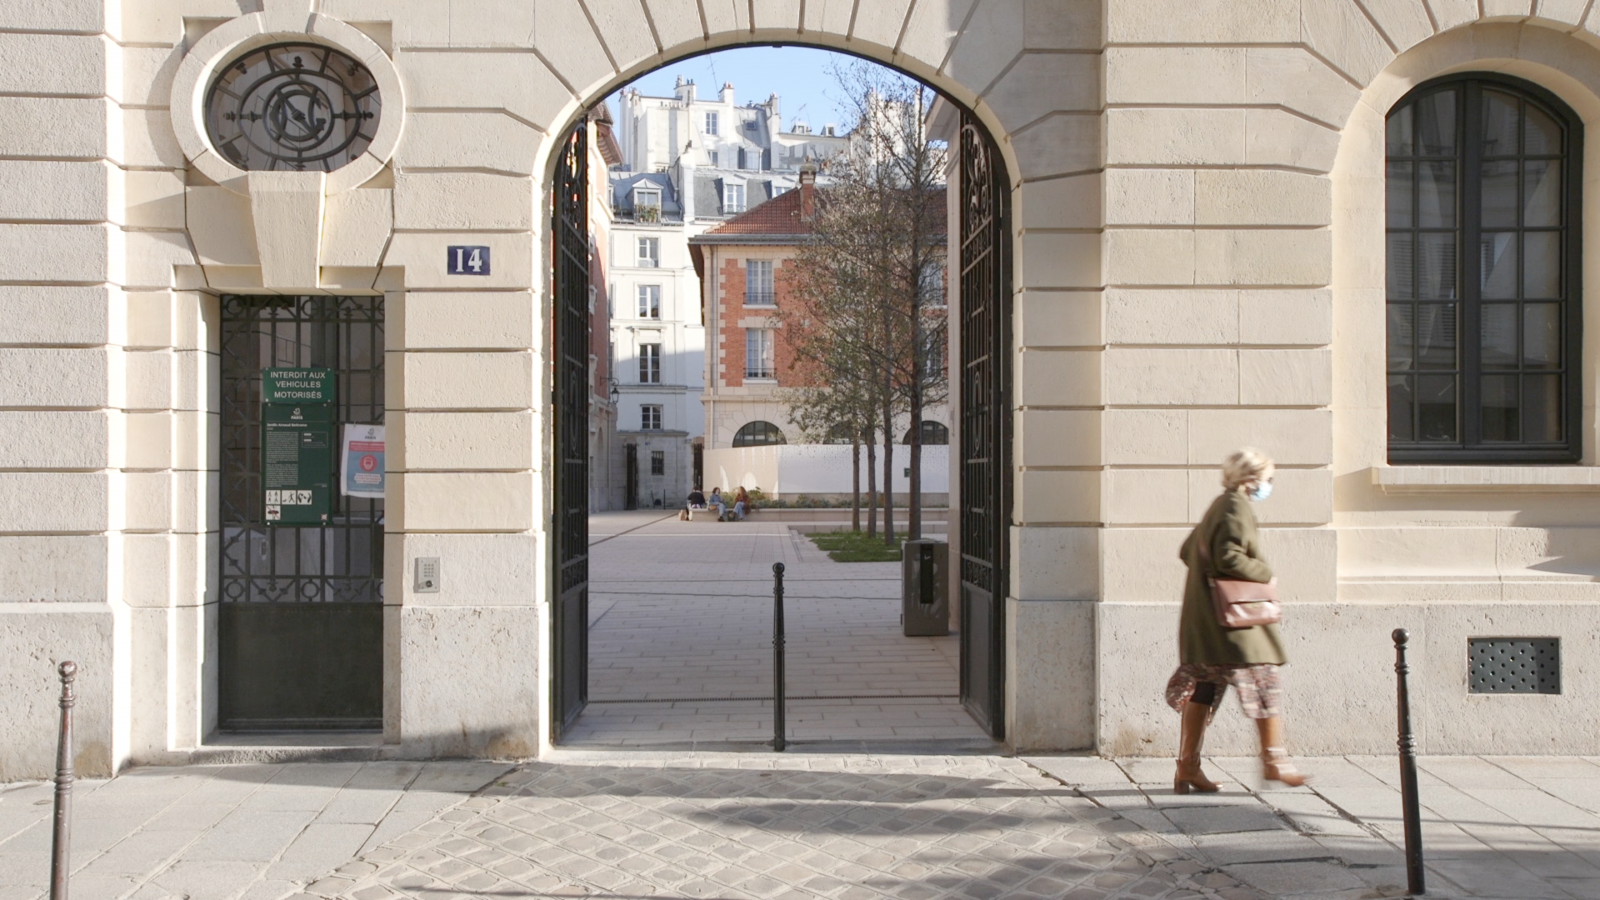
{"x": 985, "y": 424}
{"x": 630, "y": 483}
{"x": 301, "y": 618}
{"x": 570, "y": 402}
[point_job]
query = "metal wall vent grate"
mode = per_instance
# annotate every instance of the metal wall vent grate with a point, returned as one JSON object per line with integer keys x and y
{"x": 1514, "y": 665}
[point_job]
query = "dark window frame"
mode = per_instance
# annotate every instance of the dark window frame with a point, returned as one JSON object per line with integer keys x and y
{"x": 1469, "y": 447}
{"x": 934, "y": 434}
{"x": 759, "y": 433}
{"x": 651, "y": 417}
{"x": 650, "y": 363}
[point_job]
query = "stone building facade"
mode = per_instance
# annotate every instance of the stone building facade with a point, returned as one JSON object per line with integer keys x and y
{"x": 688, "y": 163}
{"x": 1198, "y": 254}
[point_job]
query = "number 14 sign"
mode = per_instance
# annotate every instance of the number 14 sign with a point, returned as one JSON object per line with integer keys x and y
{"x": 462, "y": 260}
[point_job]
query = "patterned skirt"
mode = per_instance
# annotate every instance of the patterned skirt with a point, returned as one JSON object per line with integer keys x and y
{"x": 1260, "y": 687}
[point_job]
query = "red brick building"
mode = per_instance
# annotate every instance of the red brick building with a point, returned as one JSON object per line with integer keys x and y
{"x": 747, "y": 275}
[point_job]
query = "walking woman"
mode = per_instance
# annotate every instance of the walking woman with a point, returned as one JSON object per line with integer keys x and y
{"x": 1211, "y": 657}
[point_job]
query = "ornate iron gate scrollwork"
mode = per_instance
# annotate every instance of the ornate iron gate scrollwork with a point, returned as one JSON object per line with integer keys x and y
{"x": 985, "y": 515}
{"x": 569, "y": 400}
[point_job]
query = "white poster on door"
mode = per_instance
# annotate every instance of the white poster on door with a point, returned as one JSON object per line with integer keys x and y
{"x": 361, "y": 461}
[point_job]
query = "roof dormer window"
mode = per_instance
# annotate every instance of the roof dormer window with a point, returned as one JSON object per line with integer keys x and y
{"x": 647, "y": 205}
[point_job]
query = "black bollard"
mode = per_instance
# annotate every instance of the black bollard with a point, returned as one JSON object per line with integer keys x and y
{"x": 61, "y": 842}
{"x": 1411, "y": 804}
{"x": 778, "y": 742}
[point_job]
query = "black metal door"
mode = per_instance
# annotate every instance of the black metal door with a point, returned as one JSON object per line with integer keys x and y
{"x": 300, "y": 623}
{"x": 630, "y": 499}
{"x": 985, "y": 424}
{"x": 570, "y": 402}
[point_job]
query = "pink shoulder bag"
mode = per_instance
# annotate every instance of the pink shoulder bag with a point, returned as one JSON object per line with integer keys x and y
{"x": 1241, "y": 604}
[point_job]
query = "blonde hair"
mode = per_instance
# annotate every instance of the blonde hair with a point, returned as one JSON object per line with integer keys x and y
{"x": 1244, "y": 466}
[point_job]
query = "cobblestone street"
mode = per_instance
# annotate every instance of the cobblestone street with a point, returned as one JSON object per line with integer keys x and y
{"x": 662, "y": 824}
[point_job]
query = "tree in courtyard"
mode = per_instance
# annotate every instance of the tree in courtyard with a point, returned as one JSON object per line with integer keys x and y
{"x": 870, "y": 278}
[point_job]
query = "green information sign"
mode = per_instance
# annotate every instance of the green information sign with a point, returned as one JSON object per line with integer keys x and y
{"x": 297, "y": 445}
{"x": 296, "y": 386}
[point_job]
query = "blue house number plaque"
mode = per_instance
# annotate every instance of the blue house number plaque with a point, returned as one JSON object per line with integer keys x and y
{"x": 467, "y": 260}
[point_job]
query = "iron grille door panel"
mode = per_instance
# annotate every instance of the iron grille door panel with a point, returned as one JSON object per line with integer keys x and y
{"x": 985, "y": 425}
{"x": 300, "y": 623}
{"x": 571, "y": 423}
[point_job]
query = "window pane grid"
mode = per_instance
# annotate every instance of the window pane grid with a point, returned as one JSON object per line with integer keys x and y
{"x": 649, "y": 363}
{"x": 758, "y": 289}
{"x": 1479, "y": 342}
{"x": 759, "y": 359}
{"x": 649, "y": 301}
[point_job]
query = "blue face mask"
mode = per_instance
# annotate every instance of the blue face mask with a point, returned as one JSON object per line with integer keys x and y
{"x": 1261, "y": 491}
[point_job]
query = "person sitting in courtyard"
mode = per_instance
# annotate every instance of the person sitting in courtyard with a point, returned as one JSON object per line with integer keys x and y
{"x": 741, "y": 503}
{"x": 718, "y": 503}
{"x": 696, "y": 501}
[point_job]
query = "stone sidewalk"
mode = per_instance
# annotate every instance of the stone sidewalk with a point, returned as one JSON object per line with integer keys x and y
{"x": 659, "y": 824}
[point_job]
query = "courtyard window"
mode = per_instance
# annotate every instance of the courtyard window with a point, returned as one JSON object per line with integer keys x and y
{"x": 733, "y": 198}
{"x": 758, "y": 283}
{"x": 931, "y": 285}
{"x": 934, "y": 434}
{"x": 649, "y": 301}
{"x": 758, "y": 434}
{"x": 649, "y": 363}
{"x": 1483, "y": 274}
{"x": 711, "y": 123}
{"x": 650, "y": 417}
{"x": 658, "y": 462}
{"x": 650, "y": 252}
{"x": 759, "y": 353}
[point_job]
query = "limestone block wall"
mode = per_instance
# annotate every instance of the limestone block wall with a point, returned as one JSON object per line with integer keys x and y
{"x": 1197, "y": 196}
{"x": 1244, "y": 304}
{"x": 86, "y": 464}
{"x": 1456, "y": 552}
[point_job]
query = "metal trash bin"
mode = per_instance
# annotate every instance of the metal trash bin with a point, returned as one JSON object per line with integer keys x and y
{"x": 924, "y": 586}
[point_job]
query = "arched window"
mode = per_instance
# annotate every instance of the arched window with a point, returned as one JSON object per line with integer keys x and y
{"x": 933, "y": 434}
{"x": 758, "y": 434}
{"x": 840, "y": 434}
{"x": 1483, "y": 274}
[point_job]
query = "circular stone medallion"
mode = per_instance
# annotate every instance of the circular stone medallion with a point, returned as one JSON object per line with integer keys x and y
{"x": 292, "y": 107}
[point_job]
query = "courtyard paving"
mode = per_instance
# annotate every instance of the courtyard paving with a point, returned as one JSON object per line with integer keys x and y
{"x": 680, "y": 642}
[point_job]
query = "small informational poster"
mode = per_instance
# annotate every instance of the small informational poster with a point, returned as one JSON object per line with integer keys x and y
{"x": 362, "y": 461}
{"x": 297, "y": 434}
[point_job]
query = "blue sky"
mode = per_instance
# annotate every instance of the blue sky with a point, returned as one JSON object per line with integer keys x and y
{"x": 798, "y": 75}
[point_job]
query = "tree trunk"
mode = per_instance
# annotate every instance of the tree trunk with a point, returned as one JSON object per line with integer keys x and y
{"x": 855, "y": 482}
{"x": 914, "y": 523}
{"x": 888, "y": 473}
{"x": 872, "y": 484}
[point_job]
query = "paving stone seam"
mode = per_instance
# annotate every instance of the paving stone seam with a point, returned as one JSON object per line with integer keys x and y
{"x": 525, "y": 789}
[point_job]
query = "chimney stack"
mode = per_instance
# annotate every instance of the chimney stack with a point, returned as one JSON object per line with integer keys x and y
{"x": 808, "y": 190}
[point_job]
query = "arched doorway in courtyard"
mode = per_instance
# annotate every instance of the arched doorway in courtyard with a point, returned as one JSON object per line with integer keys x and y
{"x": 979, "y": 275}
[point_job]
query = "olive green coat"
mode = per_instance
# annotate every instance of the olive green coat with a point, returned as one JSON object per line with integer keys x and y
{"x": 1229, "y": 528}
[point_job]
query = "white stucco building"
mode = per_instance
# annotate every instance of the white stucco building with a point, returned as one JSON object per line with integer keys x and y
{"x": 688, "y": 164}
{"x": 1192, "y": 224}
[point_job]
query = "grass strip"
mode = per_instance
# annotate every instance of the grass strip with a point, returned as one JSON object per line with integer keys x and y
{"x": 855, "y": 546}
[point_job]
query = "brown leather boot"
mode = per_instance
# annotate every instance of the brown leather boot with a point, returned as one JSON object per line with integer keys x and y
{"x": 1189, "y": 776}
{"x": 1275, "y": 764}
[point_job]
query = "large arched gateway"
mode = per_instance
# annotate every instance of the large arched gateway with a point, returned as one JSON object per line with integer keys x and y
{"x": 981, "y": 308}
